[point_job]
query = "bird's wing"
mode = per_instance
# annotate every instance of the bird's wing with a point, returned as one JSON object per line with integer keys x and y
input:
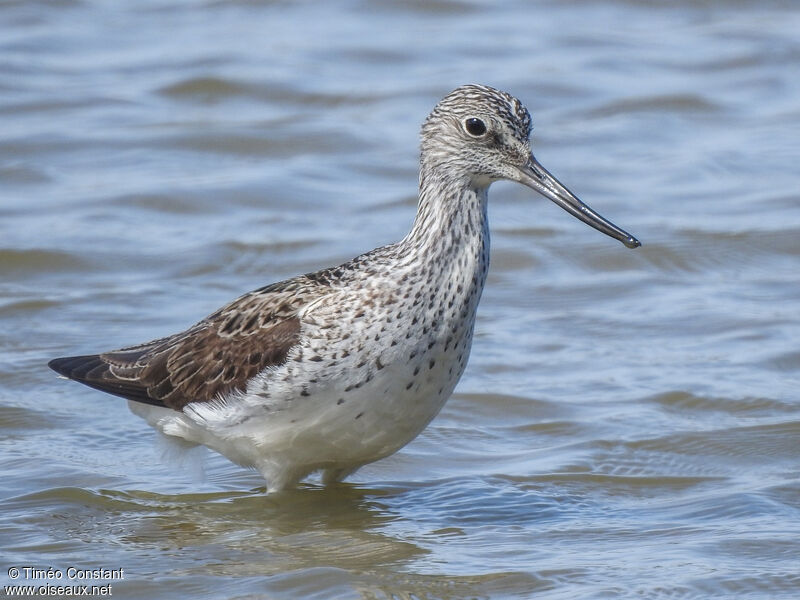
{"x": 216, "y": 356}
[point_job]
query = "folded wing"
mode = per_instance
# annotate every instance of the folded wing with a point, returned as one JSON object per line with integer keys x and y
{"x": 216, "y": 356}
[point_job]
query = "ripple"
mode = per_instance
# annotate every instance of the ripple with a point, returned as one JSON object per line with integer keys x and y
{"x": 163, "y": 204}
{"x": 788, "y": 362}
{"x": 210, "y": 89}
{"x": 501, "y": 409}
{"x": 435, "y": 7}
{"x": 245, "y": 258}
{"x": 726, "y": 507}
{"x": 737, "y": 445}
{"x": 24, "y": 174}
{"x": 701, "y": 251}
{"x": 15, "y": 262}
{"x": 503, "y": 501}
{"x": 239, "y": 143}
{"x": 28, "y": 307}
{"x": 688, "y": 405}
{"x": 688, "y": 103}
{"x": 725, "y": 452}
{"x": 20, "y": 418}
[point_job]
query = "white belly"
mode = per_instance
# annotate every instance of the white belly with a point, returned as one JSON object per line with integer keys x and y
{"x": 337, "y": 428}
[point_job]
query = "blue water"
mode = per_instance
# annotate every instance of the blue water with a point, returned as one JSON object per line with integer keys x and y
{"x": 629, "y": 423}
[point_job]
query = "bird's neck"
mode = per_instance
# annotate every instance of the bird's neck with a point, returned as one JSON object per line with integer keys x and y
{"x": 451, "y": 228}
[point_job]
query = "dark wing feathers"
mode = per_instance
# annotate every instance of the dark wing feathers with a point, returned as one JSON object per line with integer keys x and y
{"x": 91, "y": 369}
{"x": 218, "y": 355}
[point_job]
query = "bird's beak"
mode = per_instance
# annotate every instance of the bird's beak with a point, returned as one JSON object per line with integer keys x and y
{"x": 535, "y": 176}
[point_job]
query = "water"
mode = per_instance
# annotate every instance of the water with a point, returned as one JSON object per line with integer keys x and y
{"x": 628, "y": 425}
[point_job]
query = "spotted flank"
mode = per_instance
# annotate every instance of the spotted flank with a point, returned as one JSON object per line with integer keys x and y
{"x": 332, "y": 370}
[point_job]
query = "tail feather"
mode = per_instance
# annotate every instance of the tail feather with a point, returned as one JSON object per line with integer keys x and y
{"x": 93, "y": 371}
{"x": 78, "y": 367}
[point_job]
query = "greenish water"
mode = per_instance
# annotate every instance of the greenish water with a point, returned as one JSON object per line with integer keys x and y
{"x": 629, "y": 424}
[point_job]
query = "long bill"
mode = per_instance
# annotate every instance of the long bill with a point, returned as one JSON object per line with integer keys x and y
{"x": 535, "y": 176}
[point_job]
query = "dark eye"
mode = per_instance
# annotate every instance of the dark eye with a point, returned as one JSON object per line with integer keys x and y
{"x": 475, "y": 127}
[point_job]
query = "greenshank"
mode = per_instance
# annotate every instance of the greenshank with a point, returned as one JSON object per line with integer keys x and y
{"x": 331, "y": 370}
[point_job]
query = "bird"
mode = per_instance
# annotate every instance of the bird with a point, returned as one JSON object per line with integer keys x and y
{"x": 331, "y": 370}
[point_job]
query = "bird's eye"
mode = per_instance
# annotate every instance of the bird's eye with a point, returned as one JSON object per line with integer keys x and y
{"x": 475, "y": 127}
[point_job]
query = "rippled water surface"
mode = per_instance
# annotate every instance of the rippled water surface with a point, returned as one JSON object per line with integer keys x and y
{"x": 628, "y": 425}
